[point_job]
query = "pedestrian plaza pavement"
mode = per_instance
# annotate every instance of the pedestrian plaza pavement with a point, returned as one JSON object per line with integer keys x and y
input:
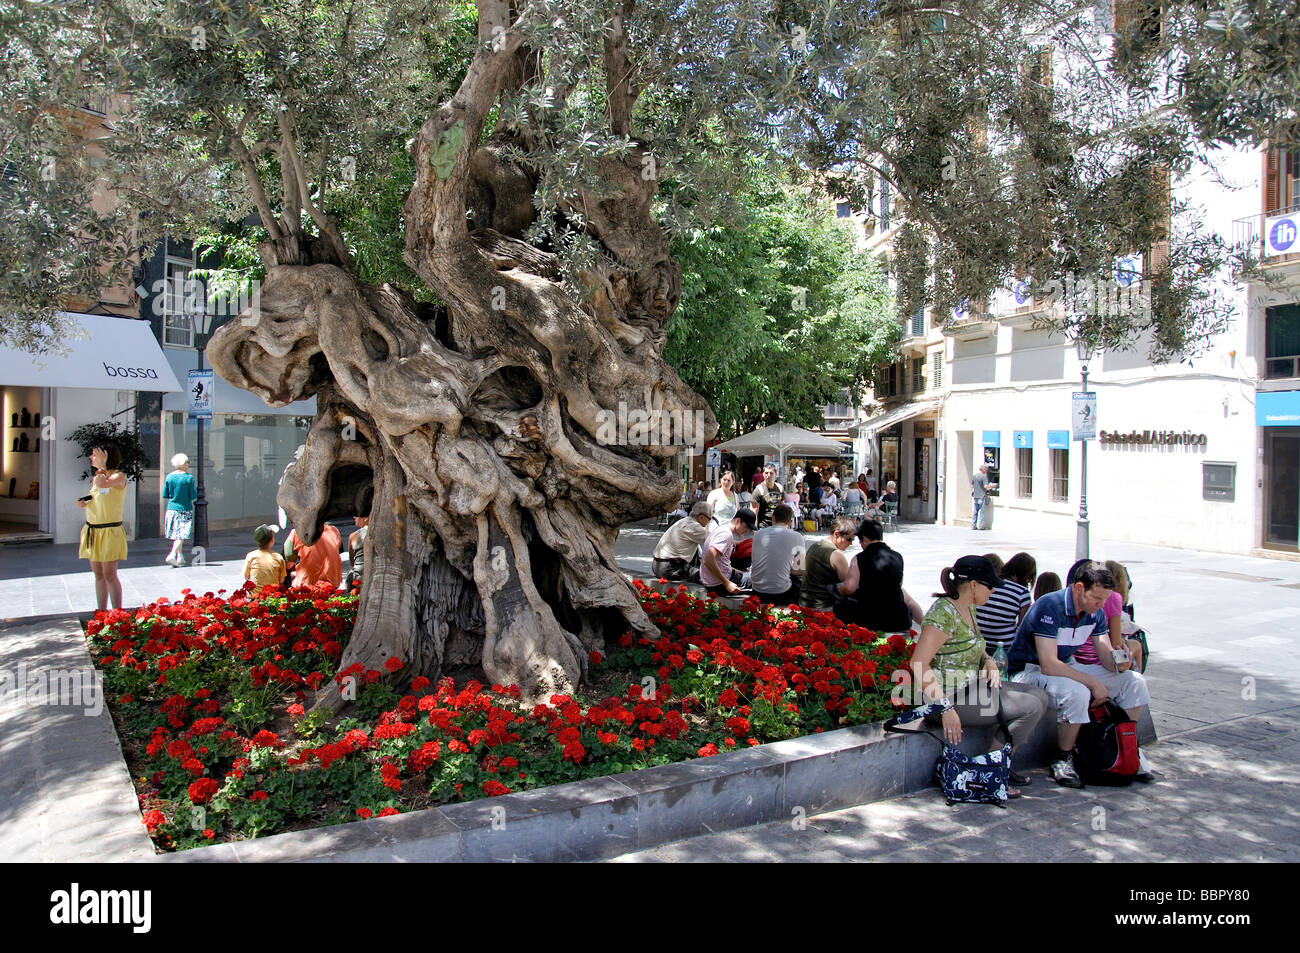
{"x": 1224, "y": 677}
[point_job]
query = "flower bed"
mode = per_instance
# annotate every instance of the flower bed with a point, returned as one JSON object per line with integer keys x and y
{"x": 209, "y": 693}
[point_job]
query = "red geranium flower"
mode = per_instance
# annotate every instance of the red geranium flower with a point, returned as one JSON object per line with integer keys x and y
{"x": 394, "y": 664}
{"x": 202, "y": 790}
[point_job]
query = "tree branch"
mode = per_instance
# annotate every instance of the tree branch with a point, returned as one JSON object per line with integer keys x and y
{"x": 246, "y": 164}
{"x": 619, "y": 97}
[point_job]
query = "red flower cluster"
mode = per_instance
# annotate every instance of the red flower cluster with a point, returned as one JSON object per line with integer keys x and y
{"x": 712, "y": 680}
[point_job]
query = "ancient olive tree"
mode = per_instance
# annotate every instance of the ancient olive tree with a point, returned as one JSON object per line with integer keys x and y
{"x": 551, "y": 150}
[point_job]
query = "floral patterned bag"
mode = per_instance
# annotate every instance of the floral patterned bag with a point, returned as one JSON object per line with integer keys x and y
{"x": 980, "y": 778}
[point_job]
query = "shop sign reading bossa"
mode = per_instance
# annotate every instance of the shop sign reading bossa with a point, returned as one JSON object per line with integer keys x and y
{"x": 1151, "y": 438}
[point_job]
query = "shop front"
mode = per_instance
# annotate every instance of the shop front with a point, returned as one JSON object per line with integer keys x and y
{"x": 1172, "y": 465}
{"x": 902, "y": 444}
{"x": 1277, "y": 414}
{"x": 96, "y": 380}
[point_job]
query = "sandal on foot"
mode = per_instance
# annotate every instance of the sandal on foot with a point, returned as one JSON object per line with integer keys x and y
{"x": 1013, "y": 793}
{"x": 1015, "y": 777}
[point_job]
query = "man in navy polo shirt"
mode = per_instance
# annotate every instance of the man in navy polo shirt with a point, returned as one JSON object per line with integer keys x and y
{"x": 1042, "y": 654}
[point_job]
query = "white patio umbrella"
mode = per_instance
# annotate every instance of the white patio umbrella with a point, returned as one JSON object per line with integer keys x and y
{"x": 782, "y": 439}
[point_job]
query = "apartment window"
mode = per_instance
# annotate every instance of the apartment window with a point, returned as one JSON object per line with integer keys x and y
{"x": 936, "y": 370}
{"x": 918, "y": 322}
{"x": 893, "y": 379}
{"x": 884, "y": 204}
{"x": 1282, "y": 341}
{"x": 1060, "y": 476}
{"x": 178, "y": 331}
{"x": 842, "y": 210}
{"x": 918, "y": 375}
{"x": 1025, "y": 472}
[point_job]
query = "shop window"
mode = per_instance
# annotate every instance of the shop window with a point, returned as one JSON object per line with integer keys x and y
{"x": 1060, "y": 476}
{"x": 1282, "y": 341}
{"x": 1025, "y": 472}
{"x": 245, "y": 456}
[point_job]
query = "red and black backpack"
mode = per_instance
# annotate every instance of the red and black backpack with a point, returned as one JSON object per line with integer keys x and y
{"x": 1107, "y": 749}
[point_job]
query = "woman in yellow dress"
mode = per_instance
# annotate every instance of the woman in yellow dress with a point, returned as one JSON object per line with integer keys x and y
{"x": 103, "y": 540}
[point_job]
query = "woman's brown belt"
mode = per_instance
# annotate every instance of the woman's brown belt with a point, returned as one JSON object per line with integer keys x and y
{"x": 90, "y": 536}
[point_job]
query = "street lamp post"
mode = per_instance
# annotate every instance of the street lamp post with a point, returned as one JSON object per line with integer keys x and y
{"x": 1084, "y": 349}
{"x": 201, "y": 320}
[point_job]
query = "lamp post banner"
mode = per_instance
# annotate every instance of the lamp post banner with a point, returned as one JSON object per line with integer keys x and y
{"x": 200, "y": 391}
{"x": 1084, "y": 416}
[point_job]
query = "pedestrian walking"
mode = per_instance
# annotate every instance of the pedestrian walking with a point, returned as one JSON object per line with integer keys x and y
{"x": 180, "y": 493}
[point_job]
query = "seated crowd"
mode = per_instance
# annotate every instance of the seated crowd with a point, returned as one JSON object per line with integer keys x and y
{"x": 984, "y": 637}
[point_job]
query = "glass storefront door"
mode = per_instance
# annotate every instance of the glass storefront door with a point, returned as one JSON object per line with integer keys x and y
{"x": 1282, "y": 487}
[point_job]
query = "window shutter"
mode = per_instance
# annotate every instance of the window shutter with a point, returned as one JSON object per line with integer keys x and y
{"x": 936, "y": 370}
{"x": 1272, "y": 177}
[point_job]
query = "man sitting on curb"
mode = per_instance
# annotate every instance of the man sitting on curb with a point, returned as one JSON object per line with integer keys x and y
{"x": 1042, "y": 654}
{"x": 674, "y": 555}
{"x": 778, "y": 555}
{"x": 715, "y": 567}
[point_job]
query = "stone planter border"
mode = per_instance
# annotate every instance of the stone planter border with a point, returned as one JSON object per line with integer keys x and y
{"x": 604, "y": 817}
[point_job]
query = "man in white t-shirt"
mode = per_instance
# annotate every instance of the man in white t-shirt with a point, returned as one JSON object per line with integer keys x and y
{"x": 716, "y": 573}
{"x": 777, "y": 571}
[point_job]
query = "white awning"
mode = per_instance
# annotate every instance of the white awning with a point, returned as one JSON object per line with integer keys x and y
{"x": 889, "y": 418}
{"x": 108, "y": 352}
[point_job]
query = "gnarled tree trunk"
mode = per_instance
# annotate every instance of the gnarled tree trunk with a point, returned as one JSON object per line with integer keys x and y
{"x": 478, "y": 435}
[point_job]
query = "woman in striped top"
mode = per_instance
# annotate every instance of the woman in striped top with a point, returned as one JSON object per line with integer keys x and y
{"x": 1000, "y": 616}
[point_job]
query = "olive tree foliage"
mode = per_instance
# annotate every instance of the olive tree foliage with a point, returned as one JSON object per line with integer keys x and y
{"x": 1026, "y": 140}
{"x": 554, "y": 151}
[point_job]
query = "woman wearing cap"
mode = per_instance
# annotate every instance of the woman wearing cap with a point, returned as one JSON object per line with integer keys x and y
{"x": 950, "y": 664}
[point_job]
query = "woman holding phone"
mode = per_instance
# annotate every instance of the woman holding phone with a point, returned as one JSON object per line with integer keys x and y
{"x": 103, "y": 540}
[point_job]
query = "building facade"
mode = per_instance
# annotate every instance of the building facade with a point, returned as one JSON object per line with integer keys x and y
{"x": 1201, "y": 453}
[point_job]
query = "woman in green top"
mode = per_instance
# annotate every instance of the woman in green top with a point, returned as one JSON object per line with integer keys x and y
{"x": 180, "y": 493}
{"x": 950, "y": 664}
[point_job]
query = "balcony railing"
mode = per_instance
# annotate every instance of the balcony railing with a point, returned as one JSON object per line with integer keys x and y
{"x": 1285, "y": 366}
{"x": 1248, "y": 237}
